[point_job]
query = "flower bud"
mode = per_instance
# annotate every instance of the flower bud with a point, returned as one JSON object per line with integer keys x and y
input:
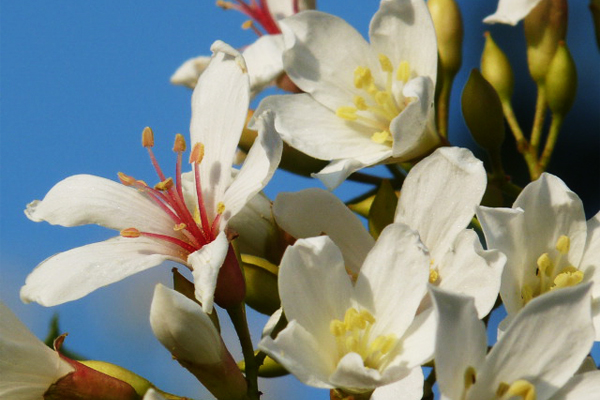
{"x": 496, "y": 69}
{"x": 595, "y": 10}
{"x": 482, "y": 111}
{"x": 545, "y": 26}
{"x": 449, "y": 31}
{"x": 262, "y": 293}
{"x": 561, "y": 81}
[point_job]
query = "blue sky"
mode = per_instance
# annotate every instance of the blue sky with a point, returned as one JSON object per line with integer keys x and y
{"x": 79, "y": 82}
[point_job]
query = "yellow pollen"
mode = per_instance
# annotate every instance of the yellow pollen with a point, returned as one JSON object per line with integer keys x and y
{"x": 470, "y": 377}
{"x": 164, "y": 185}
{"x": 220, "y": 208}
{"x": 130, "y": 233}
{"x": 563, "y": 244}
{"x": 197, "y": 153}
{"x": 362, "y": 77}
{"x": 382, "y": 98}
{"x": 179, "y": 227}
{"x": 337, "y": 328}
{"x": 147, "y": 137}
{"x": 545, "y": 265}
{"x": 247, "y": 24}
{"x": 403, "y": 72}
{"x": 224, "y": 4}
{"x": 433, "y": 275}
{"x": 523, "y": 389}
{"x": 126, "y": 179}
{"x": 347, "y": 113}
{"x": 381, "y": 137}
{"x": 570, "y": 276}
{"x": 386, "y": 64}
{"x": 180, "y": 145}
{"x": 360, "y": 103}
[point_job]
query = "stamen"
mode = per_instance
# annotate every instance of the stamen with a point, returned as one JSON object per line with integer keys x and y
{"x": 502, "y": 389}
{"x": 433, "y": 275}
{"x": 360, "y": 103}
{"x": 126, "y": 179}
{"x": 522, "y": 388}
{"x": 130, "y": 233}
{"x": 147, "y": 137}
{"x": 470, "y": 377}
{"x": 386, "y": 64}
{"x": 165, "y": 185}
{"x": 403, "y": 72}
{"x": 179, "y": 227}
{"x": 362, "y": 77}
{"x": 197, "y": 153}
{"x": 381, "y": 137}
{"x": 570, "y": 276}
{"x": 526, "y": 294}
{"x": 179, "y": 146}
{"x": 347, "y": 113}
{"x": 563, "y": 244}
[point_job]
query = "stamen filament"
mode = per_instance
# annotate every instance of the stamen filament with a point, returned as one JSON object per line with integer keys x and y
{"x": 201, "y": 207}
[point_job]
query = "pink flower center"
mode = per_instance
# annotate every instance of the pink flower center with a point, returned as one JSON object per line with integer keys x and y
{"x": 257, "y": 11}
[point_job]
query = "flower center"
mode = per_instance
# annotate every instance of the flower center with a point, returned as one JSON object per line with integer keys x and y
{"x": 379, "y": 104}
{"x": 257, "y": 11}
{"x": 190, "y": 232}
{"x": 552, "y": 272}
{"x": 353, "y": 335}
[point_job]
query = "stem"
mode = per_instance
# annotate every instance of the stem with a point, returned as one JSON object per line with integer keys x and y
{"x": 555, "y": 125}
{"x": 365, "y": 178}
{"x": 511, "y": 119}
{"x": 443, "y": 104}
{"x": 237, "y": 315}
{"x": 538, "y": 119}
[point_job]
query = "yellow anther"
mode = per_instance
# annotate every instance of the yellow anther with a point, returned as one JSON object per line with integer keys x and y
{"x": 526, "y": 294}
{"x": 367, "y": 316}
{"x": 248, "y": 24}
{"x": 197, "y": 153}
{"x": 347, "y": 113}
{"x": 352, "y": 344}
{"x": 523, "y": 389}
{"x": 126, "y": 179}
{"x": 470, "y": 377}
{"x": 563, "y": 244}
{"x": 433, "y": 275}
{"x": 337, "y": 328}
{"x": 147, "y": 137}
{"x": 403, "y": 72}
{"x": 383, "y": 344}
{"x": 362, "y": 77}
{"x": 567, "y": 278}
{"x": 224, "y": 4}
{"x": 381, "y": 137}
{"x": 382, "y": 98}
{"x": 220, "y": 208}
{"x": 545, "y": 265}
{"x": 502, "y": 389}
{"x": 130, "y": 233}
{"x": 350, "y": 316}
{"x": 164, "y": 185}
{"x": 386, "y": 64}
{"x": 179, "y": 227}
{"x": 180, "y": 145}
{"x": 360, "y": 103}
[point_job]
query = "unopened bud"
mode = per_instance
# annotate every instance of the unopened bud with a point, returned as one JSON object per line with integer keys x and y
{"x": 545, "y": 26}
{"x": 496, "y": 69}
{"x": 561, "y": 81}
{"x": 262, "y": 293}
{"x": 482, "y": 111}
{"x": 595, "y": 10}
{"x": 449, "y": 31}
{"x": 139, "y": 384}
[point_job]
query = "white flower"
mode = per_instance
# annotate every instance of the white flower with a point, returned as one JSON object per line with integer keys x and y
{"x": 263, "y": 57}
{"x": 511, "y": 11}
{"x": 189, "y": 334}
{"x": 438, "y": 200}
{"x": 155, "y": 223}
{"x": 538, "y": 355}
{"x": 547, "y": 242}
{"x": 364, "y": 103}
{"x": 354, "y": 334}
{"x": 27, "y": 366}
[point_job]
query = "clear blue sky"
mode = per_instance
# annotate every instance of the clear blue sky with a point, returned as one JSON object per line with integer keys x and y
{"x": 79, "y": 82}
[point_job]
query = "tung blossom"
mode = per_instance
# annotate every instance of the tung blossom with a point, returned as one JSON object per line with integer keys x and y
{"x": 511, "y": 11}
{"x": 182, "y": 219}
{"x": 354, "y": 334}
{"x": 364, "y": 103}
{"x": 547, "y": 242}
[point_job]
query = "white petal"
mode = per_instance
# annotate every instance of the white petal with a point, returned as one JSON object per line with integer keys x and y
{"x": 439, "y": 196}
{"x": 206, "y": 264}
{"x": 314, "y": 286}
{"x": 419, "y": 340}
{"x": 28, "y": 366}
{"x": 87, "y": 199}
{"x": 395, "y": 272}
{"x": 315, "y": 130}
{"x": 183, "y": 328}
{"x": 75, "y": 273}
{"x": 188, "y": 73}
{"x": 590, "y": 262}
{"x": 301, "y": 354}
{"x": 468, "y": 269}
{"x": 580, "y": 387}
{"x": 461, "y": 340}
{"x": 322, "y": 52}
{"x": 511, "y": 11}
{"x": 264, "y": 61}
{"x": 334, "y": 173}
{"x": 352, "y": 374}
{"x": 152, "y": 394}
{"x": 261, "y": 162}
{"x": 545, "y": 343}
{"x": 312, "y": 212}
{"x": 403, "y": 31}
{"x": 281, "y": 9}
{"x": 219, "y": 108}
{"x": 408, "y": 388}
{"x": 411, "y": 133}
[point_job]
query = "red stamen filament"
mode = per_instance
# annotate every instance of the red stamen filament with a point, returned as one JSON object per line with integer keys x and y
{"x": 201, "y": 208}
{"x": 186, "y": 246}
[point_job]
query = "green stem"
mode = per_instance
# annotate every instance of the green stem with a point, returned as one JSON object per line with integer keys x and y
{"x": 511, "y": 119}
{"x": 538, "y": 119}
{"x": 365, "y": 178}
{"x": 240, "y": 323}
{"x": 443, "y": 104}
{"x": 555, "y": 125}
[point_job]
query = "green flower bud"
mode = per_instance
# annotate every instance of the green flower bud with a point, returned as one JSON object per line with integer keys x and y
{"x": 595, "y": 9}
{"x": 262, "y": 293}
{"x": 268, "y": 369}
{"x": 482, "y": 111}
{"x": 449, "y": 30}
{"x": 496, "y": 69}
{"x": 545, "y": 26}
{"x": 561, "y": 81}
